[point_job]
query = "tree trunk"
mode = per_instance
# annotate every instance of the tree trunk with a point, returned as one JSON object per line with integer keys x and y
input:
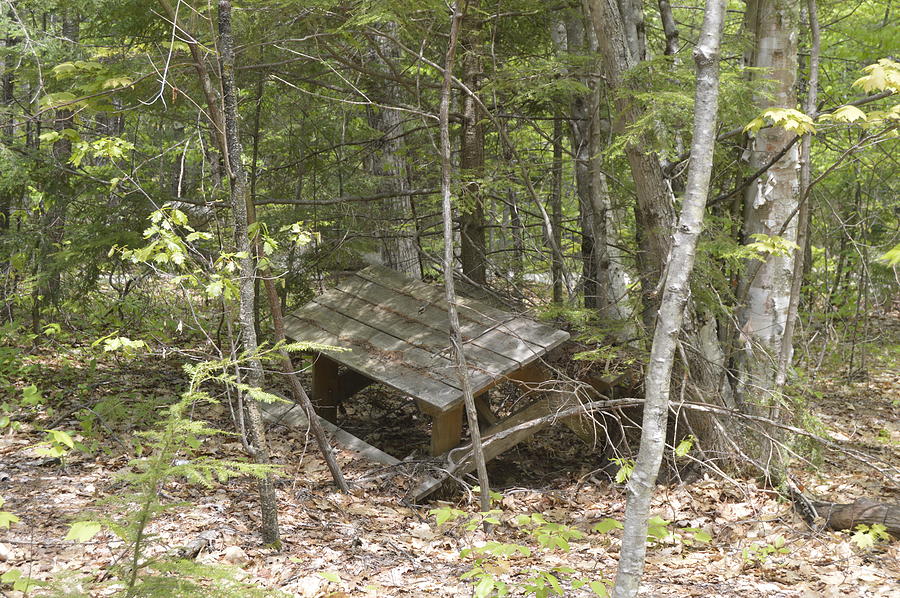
{"x": 53, "y": 221}
{"x": 605, "y": 280}
{"x": 240, "y": 199}
{"x": 655, "y": 204}
{"x": 669, "y": 28}
{"x": 556, "y": 265}
{"x": 768, "y": 205}
{"x": 572, "y": 36}
{"x": 471, "y": 152}
{"x": 676, "y": 291}
{"x": 455, "y": 333}
{"x": 812, "y": 95}
{"x": 399, "y": 248}
{"x": 8, "y": 192}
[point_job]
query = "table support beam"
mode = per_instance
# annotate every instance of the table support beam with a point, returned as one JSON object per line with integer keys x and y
{"x": 326, "y": 387}
{"x": 446, "y": 430}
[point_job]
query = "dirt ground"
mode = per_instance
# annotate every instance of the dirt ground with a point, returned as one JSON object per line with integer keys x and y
{"x": 374, "y": 542}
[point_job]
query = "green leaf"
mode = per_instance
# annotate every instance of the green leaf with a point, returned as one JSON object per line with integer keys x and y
{"x": 863, "y": 540}
{"x": 6, "y": 519}
{"x": 607, "y": 525}
{"x": 883, "y": 75}
{"x": 702, "y": 536}
{"x": 52, "y": 100}
{"x": 788, "y": 119}
{"x": 82, "y": 531}
{"x": 31, "y": 395}
{"x": 685, "y": 446}
{"x": 331, "y": 576}
{"x": 61, "y": 437}
{"x": 599, "y": 588}
{"x": 10, "y": 576}
{"x": 847, "y": 114}
{"x": 658, "y": 528}
{"x": 484, "y": 587}
{"x": 892, "y": 257}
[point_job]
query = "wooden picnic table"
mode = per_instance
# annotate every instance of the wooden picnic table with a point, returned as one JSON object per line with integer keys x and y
{"x": 394, "y": 330}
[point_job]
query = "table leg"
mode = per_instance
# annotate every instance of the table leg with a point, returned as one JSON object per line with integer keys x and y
{"x": 446, "y": 430}
{"x": 326, "y": 387}
{"x": 486, "y": 415}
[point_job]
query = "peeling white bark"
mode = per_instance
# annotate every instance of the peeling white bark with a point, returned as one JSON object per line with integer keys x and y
{"x": 771, "y": 202}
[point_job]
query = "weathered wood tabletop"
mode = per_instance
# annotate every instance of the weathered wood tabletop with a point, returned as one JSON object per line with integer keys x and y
{"x": 395, "y": 330}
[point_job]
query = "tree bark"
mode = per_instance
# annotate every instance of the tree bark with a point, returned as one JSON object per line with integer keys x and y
{"x": 53, "y": 220}
{"x": 670, "y": 29}
{"x": 210, "y": 93}
{"x": 572, "y": 36}
{"x": 655, "y": 205}
{"x": 676, "y": 292}
{"x": 240, "y": 199}
{"x": 8, "y": 192}
{"x": 471, "y": 151}
{"x": 448, "y": 262}
{"x": 812, "y": 97}
{"x": 768, "y": 205}
{"x": 556, "y": 265}
{"x": 399, "y": 248}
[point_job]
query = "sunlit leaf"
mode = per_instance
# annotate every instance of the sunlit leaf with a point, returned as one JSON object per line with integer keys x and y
{"x": 82, "y": 531}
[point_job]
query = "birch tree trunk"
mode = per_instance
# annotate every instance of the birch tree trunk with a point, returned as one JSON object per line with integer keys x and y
{"x": 768, "y": 206}
{"x": 812, "y": 96}
{"x": 239, "y": 205}
{"x": 676, "y": 292}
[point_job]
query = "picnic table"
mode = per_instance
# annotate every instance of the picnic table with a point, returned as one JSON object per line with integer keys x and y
{"x": 392, "y": 329}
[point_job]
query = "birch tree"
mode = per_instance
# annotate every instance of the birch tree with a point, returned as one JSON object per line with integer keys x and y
{"x": 770, "y": 204}
{"x": 676, "y": 292}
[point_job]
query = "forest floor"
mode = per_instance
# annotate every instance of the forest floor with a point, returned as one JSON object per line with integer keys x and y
{"x": 373, "y": 542}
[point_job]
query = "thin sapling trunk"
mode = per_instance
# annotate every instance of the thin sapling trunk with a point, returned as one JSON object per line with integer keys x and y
{"x": 676, "y": 291}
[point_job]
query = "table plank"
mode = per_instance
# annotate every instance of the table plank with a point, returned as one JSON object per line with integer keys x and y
{"x": 292, "y": 414}
{"x": 433, "y": 318}
{"x": 374, "y": 354}
{"x": 437, "y": 363}
{"x": 418, "y": 334}
{"x": 541, "y": 336}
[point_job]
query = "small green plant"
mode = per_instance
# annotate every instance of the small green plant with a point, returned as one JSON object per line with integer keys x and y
{"x": 56, "y": 444}
{"x": 684, "y": 447}
{"x": 19, "y": 581}
{"x": 626, "y": 468}
{"x": 6, "y": 421}
{"x": 171, "y": 453}
{"x": 6, "y": 518}
{"x": 31, "y": 396}
{"x": 866, "y": 536}
{"x": 13, "y": 577}
{"x": 759, "y": 552}
{"x": 492, "y": 559}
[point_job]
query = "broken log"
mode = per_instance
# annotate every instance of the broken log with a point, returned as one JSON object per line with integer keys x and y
{"x": 863, "y": 511}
